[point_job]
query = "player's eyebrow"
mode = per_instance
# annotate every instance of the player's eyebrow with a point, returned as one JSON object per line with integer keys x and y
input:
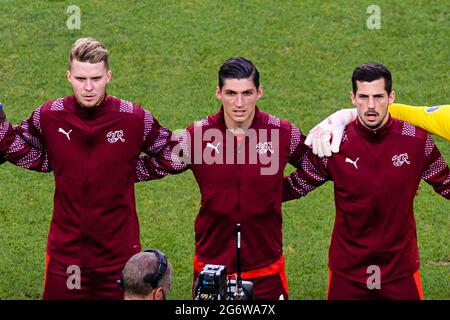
{"x": 245, "y": 92}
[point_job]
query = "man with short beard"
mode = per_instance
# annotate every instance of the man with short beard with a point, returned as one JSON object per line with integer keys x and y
{"x": 373, "y": 252}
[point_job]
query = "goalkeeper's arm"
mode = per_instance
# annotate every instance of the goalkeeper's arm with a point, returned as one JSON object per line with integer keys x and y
{"x": 325, "y": 137}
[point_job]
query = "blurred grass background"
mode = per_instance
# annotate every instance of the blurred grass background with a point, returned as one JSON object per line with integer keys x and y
{"x": 165, "y": 56}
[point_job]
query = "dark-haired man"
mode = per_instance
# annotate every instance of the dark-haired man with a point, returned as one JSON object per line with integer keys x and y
{"x": 238, "y": 156}
{"x": 325, "y": 137}
{"x": 373, "y": 252}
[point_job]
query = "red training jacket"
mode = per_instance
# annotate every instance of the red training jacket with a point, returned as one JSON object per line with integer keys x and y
{"x": 376, "y": 175}
{"x": 240, "y": 183}
{"x": 93, "y": 153}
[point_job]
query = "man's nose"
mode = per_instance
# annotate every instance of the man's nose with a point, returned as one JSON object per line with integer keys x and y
{"x": 239, "y": 102}
{"x": 371, "y": 103}
{"x": 88, "y": 86}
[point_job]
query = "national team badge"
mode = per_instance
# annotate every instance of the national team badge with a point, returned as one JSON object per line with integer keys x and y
{"x": 263, "y": 147}
{"x": 114, "y": 136}
{"x": 400, "y": 159}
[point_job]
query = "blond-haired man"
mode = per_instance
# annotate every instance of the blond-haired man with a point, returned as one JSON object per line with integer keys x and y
{"x": 92, "y": 142}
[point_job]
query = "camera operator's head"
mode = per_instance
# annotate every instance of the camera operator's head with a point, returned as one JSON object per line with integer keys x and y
{"x": 147, "y": 276}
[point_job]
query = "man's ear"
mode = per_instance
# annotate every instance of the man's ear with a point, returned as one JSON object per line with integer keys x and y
{"x": 218, "y": 93}
{"x": 108, "y": 75}
{"x": 353, "y": 98}
{"x": 260, "y": 92}
{"x": 159, "y": 294}
{"x": 392, "y": 97}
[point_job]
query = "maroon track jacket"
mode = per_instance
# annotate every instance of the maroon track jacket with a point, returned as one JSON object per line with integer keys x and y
{"x": 235, "y": 188}
{"x": 376, "y": 176}
{"x": 93, "y": 153}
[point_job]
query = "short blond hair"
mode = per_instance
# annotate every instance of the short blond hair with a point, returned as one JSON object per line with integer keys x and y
{"x": 88, "y": 50}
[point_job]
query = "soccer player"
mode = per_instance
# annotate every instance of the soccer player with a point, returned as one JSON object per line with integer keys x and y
{"x": 92, "y": 142}
{"x": 238, "y": 156}
{"x": 435, "y": 120}
{"x": 373, "y": 252}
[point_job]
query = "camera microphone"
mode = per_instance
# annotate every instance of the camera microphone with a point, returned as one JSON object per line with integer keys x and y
{"x": 238, "y": 291}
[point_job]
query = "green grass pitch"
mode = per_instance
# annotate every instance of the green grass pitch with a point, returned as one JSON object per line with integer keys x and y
{"x": 165, "y": 56}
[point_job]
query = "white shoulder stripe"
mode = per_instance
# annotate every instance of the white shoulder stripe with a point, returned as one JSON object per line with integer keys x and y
{"x": 126, "y": 106}
{"x": 57, "y": 105}
{"x": 408, "y": 129}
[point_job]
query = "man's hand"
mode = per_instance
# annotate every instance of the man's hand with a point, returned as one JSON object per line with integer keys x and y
{"x": 332, "y": 129}
{"x": 2, "y": 115}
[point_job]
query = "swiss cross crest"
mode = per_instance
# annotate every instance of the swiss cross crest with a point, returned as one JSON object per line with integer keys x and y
{"x": 263, "y": 147}
{"x": 400, "y": 159}
{"x": 114, "y": 136}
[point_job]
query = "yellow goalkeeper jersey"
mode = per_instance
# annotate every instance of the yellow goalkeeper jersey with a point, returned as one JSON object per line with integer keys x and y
{"x": 435, "y": 120}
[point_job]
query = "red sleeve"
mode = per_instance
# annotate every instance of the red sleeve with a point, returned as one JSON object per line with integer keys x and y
{"x": 297, "y": 147}
{"x": 26, "y": 148}
{"x": 7, "y": 135}
{"x": 436, "y": 171}
{"x": 160, "y": 147}
{"x": 311, "y": 173}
